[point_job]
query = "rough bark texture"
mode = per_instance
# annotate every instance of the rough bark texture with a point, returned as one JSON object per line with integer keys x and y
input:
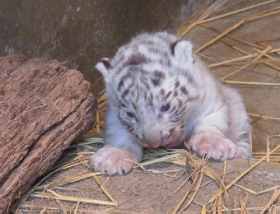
{"x": 44, "y": 106}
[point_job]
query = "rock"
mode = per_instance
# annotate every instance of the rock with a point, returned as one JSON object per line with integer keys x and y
{"x": 44, "y": 106}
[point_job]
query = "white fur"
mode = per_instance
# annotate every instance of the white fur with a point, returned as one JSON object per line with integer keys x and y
{"x": 214, "y": 119}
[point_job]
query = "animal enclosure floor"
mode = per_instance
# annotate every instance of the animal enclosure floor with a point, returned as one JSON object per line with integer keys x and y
{"x": 156, "y": 190}
{"x": 240, "y": 41}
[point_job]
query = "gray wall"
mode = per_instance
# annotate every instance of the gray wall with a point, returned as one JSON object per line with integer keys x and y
{"x": 80, "y": 32}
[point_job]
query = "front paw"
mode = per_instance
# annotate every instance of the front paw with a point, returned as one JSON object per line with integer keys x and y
{"x": 213, "y": 146}
{"x": 111, "y": 161}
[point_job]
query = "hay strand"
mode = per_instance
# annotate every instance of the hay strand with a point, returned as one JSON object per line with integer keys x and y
{"x": 236, "y": 11}
{"x": 215, "y": 39}
{"x": 73, "y": 199}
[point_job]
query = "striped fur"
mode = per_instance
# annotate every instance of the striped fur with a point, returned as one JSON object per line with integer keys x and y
{"x": 160, "y": 94}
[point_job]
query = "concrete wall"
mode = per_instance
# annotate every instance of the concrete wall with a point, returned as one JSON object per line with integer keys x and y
{"x": 80, "y": 32}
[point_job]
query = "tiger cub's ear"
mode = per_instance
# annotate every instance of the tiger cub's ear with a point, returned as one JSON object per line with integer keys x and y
{"x": 103, "y": 67}
{"x": 182, "y": 50}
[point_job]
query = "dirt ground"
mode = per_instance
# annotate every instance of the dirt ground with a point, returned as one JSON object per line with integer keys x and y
{"x": 158, "y": 190}
{"x": 251, "y": 186}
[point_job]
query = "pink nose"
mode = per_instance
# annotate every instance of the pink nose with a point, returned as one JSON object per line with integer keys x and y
{"x": 153, "y": 139}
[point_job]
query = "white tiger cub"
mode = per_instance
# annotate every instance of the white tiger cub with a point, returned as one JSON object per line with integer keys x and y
{"x": 159, "y": 95}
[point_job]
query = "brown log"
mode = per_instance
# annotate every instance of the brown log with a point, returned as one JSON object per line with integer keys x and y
{"x": 44, "y": 106}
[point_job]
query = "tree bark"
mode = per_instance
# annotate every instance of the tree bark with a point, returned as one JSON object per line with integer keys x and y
{"x": 44, "y": 106}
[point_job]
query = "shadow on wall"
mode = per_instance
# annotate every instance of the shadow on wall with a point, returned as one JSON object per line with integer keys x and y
{"x": 81, "y": 32}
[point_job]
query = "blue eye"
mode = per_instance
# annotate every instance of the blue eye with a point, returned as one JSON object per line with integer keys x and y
{"x": 165, "y": 108}
{"x": 130, "y": 114}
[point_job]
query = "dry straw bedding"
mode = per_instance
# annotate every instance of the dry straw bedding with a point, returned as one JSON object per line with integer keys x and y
{"x": 196, "y": 169}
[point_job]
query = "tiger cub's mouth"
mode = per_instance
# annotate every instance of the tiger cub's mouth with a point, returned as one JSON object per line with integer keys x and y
{"x": 169, "y": 142}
